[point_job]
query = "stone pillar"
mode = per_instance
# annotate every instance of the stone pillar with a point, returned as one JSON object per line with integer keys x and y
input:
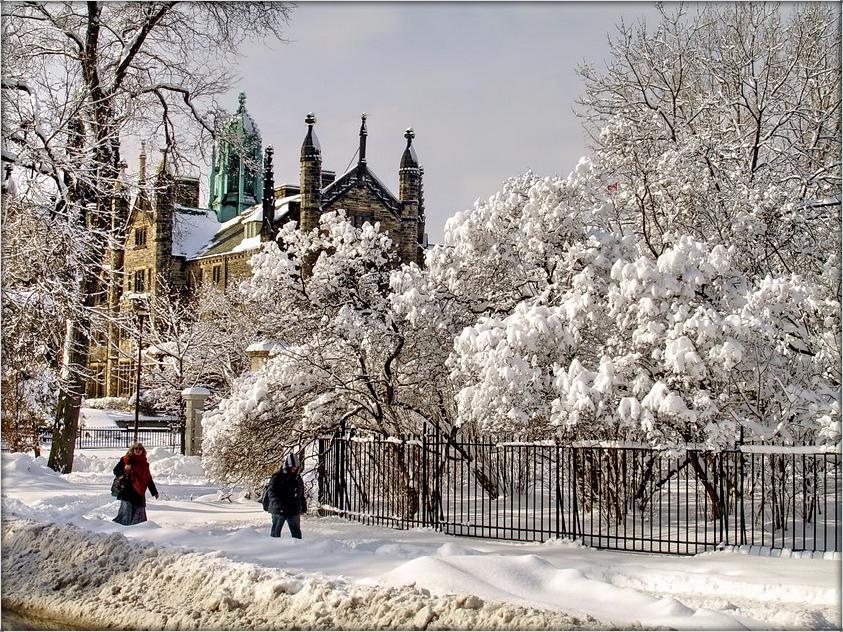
{"x": 258, "y": 353}
{"x": 194, "y": 399}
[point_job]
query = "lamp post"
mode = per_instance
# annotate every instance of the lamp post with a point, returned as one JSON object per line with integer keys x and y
{"x": 140, "y": 309}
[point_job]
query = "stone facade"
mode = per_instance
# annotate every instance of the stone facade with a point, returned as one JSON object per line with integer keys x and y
{"x": 172, "y": 245}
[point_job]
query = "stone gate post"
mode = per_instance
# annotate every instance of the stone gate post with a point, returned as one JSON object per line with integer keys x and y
{"x": 194, "y": 399}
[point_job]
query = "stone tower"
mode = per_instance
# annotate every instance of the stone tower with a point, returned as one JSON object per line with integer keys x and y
{"x": 311, "y": 177}
{"x": 162, "y": 233}
{"x": 236, "y": 165}
{"x": 409, "y": 194}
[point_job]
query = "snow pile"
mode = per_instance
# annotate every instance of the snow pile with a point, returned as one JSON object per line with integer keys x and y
{"x": 532, "y": 579}
{"x": 106, "y": 581}
{"x": 204, "y": 560}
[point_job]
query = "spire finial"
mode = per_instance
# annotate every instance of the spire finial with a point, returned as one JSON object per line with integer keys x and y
{"x": 310, "y": 119}
{"x": 363, "y": 133}
{"x": 409, "y": 134}
{"x": 268, "y": 202}
{"x": 142, "y": 163}
{"x": 242, "y": 101}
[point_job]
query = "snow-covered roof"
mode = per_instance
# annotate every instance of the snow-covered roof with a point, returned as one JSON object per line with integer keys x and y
{"x": 193, "y": 228}
{"x": 267, "y": 346}
{"x": 230, "y": 236}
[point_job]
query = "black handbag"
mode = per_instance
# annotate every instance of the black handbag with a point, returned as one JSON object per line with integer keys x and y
{"x": 119, "y": 485}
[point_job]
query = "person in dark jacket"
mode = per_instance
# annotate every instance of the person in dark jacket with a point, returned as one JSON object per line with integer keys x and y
{"x": 286, "y": 498}
{"x": 133, "y": 498}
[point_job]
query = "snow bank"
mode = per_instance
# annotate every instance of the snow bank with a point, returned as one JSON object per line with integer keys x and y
{"x": 105, "y": 581}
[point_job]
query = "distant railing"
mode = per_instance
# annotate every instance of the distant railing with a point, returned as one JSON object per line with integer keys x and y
{"x": 116, "y": 438}
{"x": 606, "y": 495}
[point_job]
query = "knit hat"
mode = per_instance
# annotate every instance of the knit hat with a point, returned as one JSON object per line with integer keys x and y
{"x": 292, "y": 460}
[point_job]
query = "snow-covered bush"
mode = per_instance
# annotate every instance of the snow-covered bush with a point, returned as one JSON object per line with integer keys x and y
{"x": 108, "y": 403}
{"x": 615, "y": 343}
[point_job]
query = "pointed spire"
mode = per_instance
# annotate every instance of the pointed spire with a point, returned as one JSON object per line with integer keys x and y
{"x": 363, "y": 133}
{"x": 310, "y": 149}
{"x": 268, "y": 190}
{"x": 242, "y": 101}
{"x": 409, "y": 159}
{"x": 142, "y": 166}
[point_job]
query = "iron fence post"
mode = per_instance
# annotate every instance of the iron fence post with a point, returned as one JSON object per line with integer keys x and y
{"x": 573, "y": 479}
{"x": 320, "y": 472}
{"x": 424, "y": 486}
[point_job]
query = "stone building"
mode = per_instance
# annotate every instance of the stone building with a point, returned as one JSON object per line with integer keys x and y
{"x": 173, "y": 245}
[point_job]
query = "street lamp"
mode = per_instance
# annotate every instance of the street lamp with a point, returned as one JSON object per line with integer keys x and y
{"x": 140, "y": 307}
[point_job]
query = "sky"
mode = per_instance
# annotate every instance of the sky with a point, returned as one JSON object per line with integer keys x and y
{"x": 489, "y": 88}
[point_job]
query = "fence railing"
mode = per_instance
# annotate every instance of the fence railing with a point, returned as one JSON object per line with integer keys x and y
{"x": 115, "y": 438}
{"x": 618, "y": 497}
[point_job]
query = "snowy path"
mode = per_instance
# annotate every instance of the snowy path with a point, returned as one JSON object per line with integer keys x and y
{"x": 212, "y": 562}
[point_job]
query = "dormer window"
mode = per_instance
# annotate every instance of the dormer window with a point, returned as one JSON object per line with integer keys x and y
{"x": 252, "y": 229}
{"x": 140, "y": 237}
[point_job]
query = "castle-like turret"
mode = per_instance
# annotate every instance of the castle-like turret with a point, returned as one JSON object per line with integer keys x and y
{"x": 408, "y": 172}
{"x": 235, "y": 182}
{"x": 311, "y": 177}
{"x": 409, "y": 194}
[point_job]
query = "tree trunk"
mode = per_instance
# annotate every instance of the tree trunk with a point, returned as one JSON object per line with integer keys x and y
{"x": 66, "y": 425}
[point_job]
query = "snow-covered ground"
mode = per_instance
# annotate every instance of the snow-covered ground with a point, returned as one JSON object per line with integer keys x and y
{"x": 95, "y": 418}
{"x": 208, "y": 563}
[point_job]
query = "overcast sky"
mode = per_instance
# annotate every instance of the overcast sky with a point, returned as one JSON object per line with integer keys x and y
{"x": 488, "y": 87}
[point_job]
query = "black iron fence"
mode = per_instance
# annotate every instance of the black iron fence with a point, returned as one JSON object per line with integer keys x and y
{"x": 116, "y": 438}
{"x": 608, "y": 496}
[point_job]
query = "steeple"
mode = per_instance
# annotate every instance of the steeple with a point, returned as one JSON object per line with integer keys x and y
{"x": 361, "y": 162}
{"x": 311, "y": 177}
{"x": 268, "y": 192}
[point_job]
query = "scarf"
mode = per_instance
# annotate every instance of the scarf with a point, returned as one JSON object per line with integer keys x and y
{"x": 139, "y": 474}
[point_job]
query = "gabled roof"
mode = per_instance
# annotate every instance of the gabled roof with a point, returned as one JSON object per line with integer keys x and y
{"x": 360, "y": 176}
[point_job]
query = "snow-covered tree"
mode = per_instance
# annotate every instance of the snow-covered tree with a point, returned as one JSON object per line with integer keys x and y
{"x": 724, "y": 125}
{"x": 77, "y": 78}
{"x": 37, "y": 260}
{"x": 193, "y": 340}
{"x": 337, "y": 349}
{"x": 615, "y": 343}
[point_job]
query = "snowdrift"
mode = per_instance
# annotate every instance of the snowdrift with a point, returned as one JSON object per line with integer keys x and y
{"x": 106, "y": 581}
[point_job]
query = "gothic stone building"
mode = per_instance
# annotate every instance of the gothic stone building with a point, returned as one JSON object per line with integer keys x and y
{"x": 174, "y": 245}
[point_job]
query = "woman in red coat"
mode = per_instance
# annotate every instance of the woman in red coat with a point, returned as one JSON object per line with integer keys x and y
{"x": 133, "y": 498}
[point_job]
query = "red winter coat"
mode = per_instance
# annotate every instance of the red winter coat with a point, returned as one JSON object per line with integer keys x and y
{"x": 139, "y": 477}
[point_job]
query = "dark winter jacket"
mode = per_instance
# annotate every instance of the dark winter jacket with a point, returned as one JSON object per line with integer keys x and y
{"x": 286, "y": 494}
{"x": 130, "y": 494}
